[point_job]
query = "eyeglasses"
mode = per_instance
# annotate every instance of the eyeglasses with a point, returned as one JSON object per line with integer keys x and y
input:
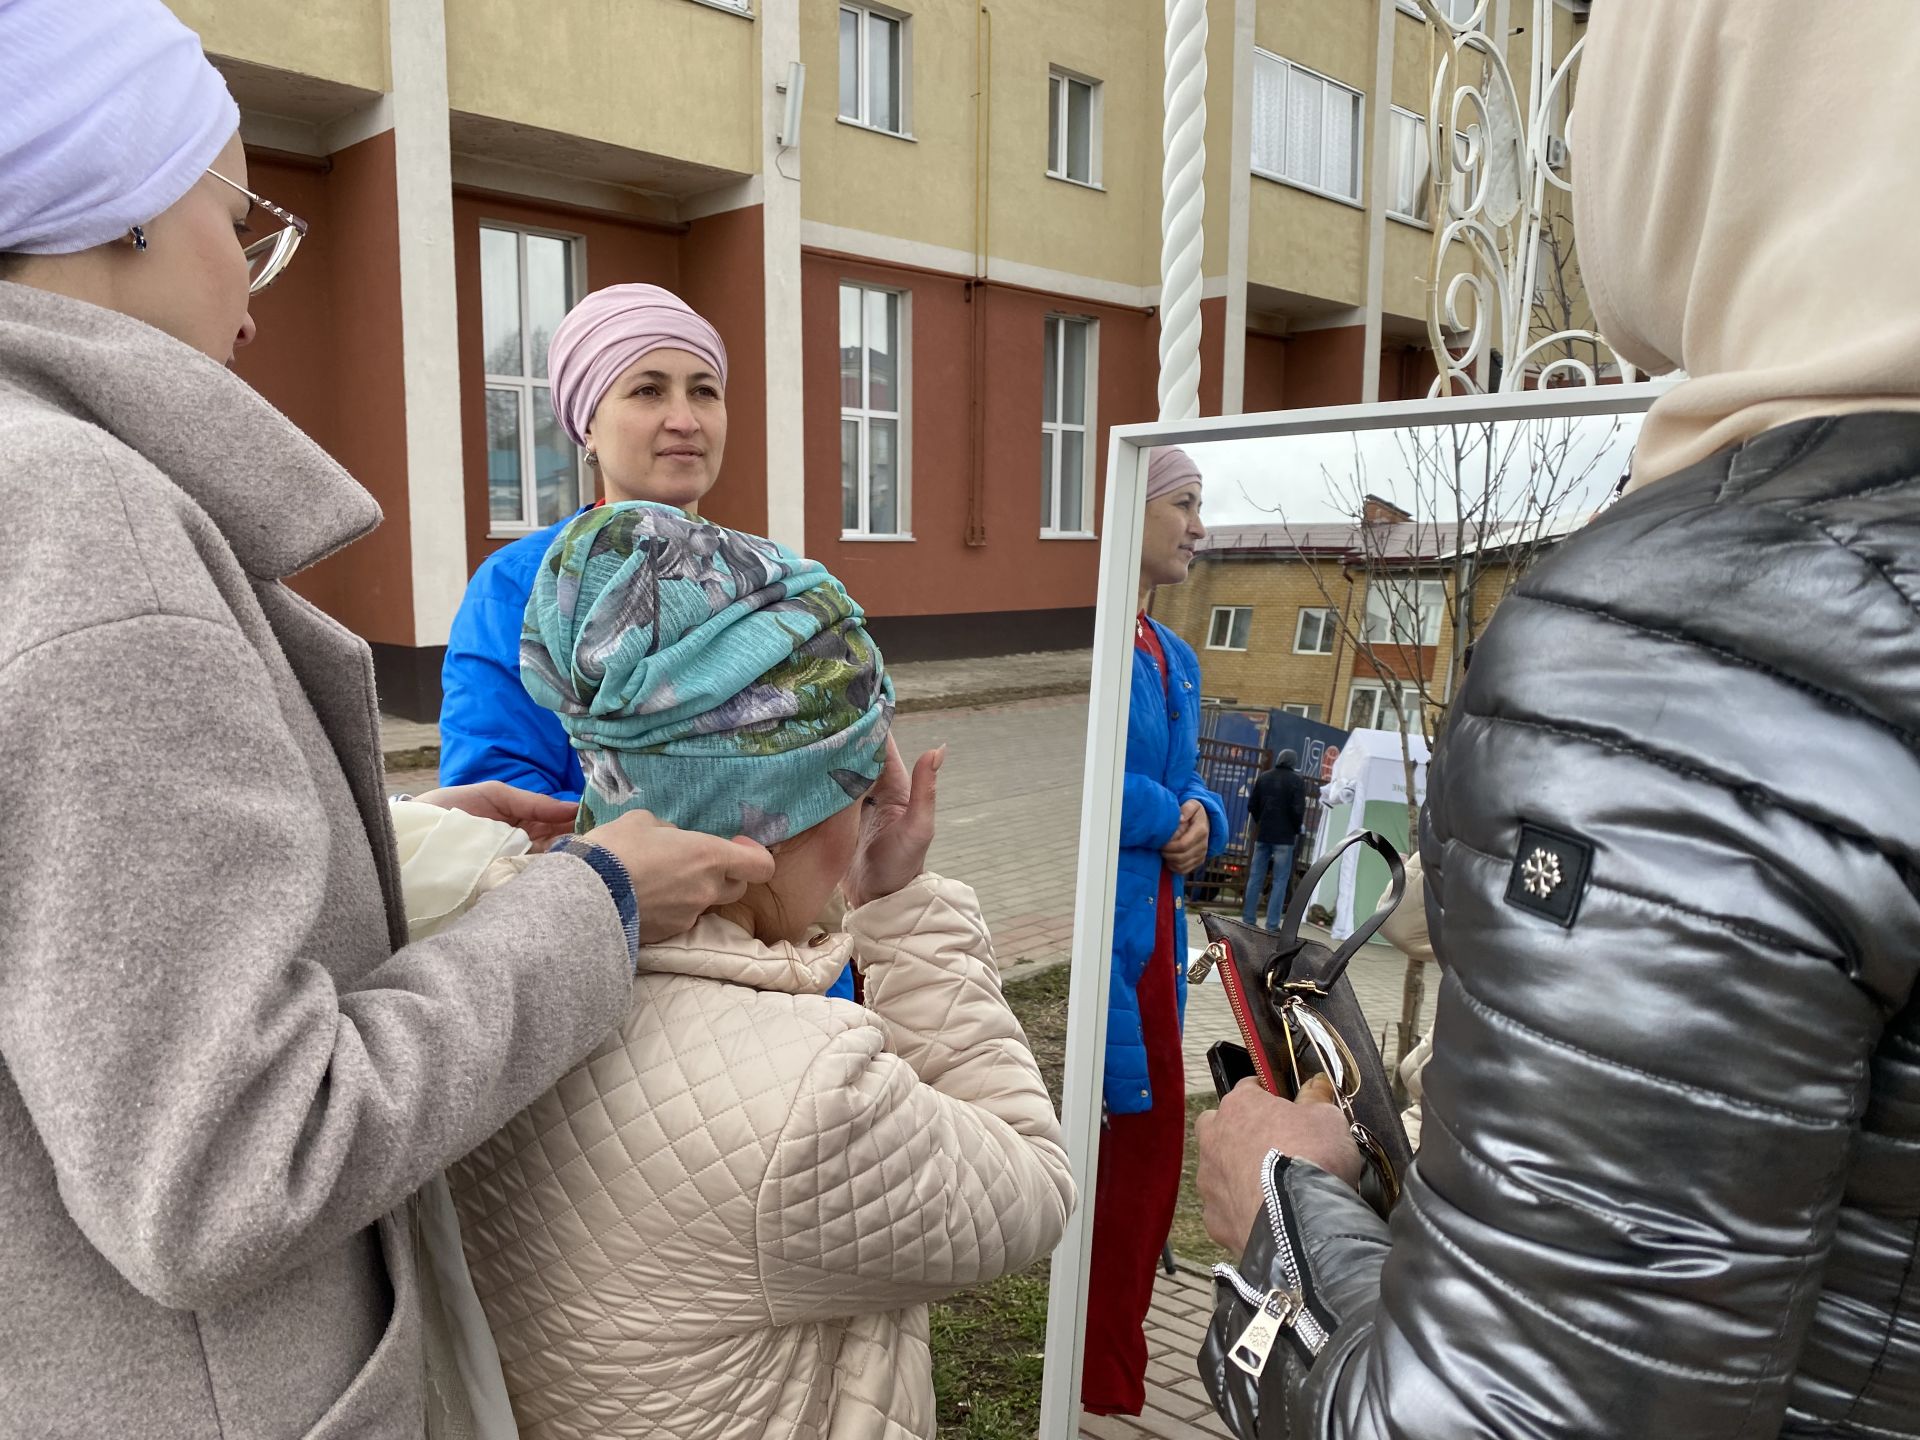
{"x": 269, "y": 255}
{"x": 1337, "y": 1063}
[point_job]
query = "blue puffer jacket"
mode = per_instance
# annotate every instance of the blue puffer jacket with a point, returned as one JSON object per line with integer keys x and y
{"x": 1163, "y": 750}
{"x": 490, "y": 728}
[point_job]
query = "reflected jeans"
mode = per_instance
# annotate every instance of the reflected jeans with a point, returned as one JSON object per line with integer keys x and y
{"x": 1280, "y": 858}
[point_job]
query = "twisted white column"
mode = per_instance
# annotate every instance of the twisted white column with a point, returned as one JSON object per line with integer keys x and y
{"x": 1182, "y": 207}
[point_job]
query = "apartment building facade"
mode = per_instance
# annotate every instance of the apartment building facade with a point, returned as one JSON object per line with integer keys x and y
{"x": 929, "y": 231}
{"x": 1319, "y": 622}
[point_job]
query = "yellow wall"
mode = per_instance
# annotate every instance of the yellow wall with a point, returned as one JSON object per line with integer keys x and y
{"x": 340, "y": 40}
{"x": 1307, "y": 243}
{"x": 1036, "y": 219}
{"x": 920, "y": 189}
{"x": 1267, "y": 673}
{"x": 659, "y": 76}
{"x": 1335, "y": 39}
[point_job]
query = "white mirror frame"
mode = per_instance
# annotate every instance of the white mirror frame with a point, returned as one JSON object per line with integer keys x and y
{"x": 1100, "y": 799}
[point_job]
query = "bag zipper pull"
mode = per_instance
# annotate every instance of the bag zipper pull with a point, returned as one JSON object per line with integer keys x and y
{"x": 1198, "y": 971}
{"x": 1277, "y": 1311}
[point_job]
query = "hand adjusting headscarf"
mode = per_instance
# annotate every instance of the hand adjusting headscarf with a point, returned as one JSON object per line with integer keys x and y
{"x": 714, "y": 678}
{"x": 109, "y": 113}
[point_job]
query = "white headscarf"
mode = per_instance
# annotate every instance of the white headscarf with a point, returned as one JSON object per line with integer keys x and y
{"x": 109, "y": 112}
{"x": 1745, "y": 210}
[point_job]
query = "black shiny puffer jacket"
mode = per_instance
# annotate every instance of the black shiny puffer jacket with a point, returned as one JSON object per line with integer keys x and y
{"x": 1669, "y": 1184}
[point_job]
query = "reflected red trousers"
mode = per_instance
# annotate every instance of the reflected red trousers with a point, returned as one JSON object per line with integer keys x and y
{"x": 1135, "y": 1193}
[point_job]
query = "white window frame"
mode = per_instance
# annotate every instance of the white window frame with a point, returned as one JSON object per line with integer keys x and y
{"x": 864, "y": 414}
{"x": 532, "y": 392}
{"x": 1393, "y": 611}
{"x": 1457, "y": 180}
{"x": 903, "y": 86}
{"x": 1358, "y": 98}
{"x": 742, "y": 8}
{"x": 1383, "y": 706}
{"x": 1059, "y": 88}
{"x": 1330, "y": 630}
{"x": 1306, "y": 710}
{"x": 1457, "y": 11}
{"x": 1232, "y": 614}
{"x": 1050, "y": 526}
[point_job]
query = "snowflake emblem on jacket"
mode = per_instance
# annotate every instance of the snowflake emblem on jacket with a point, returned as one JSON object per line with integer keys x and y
{"x": 1541, "y": 873}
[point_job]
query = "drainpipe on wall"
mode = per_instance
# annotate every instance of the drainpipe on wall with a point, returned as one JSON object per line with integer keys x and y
{"x": 976, "y": 532}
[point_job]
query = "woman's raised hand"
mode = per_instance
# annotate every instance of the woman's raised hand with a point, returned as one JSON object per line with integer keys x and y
{"x": 896, "y": 827}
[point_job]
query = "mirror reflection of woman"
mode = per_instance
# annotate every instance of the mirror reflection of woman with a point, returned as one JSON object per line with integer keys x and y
{"x": 1170, "y": 825}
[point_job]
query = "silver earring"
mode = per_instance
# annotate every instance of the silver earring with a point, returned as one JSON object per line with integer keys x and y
{"x": 592, "y": 459}
{"x": 138, "y": 234}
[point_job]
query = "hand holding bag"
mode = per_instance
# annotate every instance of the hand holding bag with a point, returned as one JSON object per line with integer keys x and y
{"x": 1299, "y": 1016}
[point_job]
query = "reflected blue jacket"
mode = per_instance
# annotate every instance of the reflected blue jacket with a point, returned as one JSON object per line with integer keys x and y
{"x": 1163, "y": 753}
{"x": 490, "y": 728}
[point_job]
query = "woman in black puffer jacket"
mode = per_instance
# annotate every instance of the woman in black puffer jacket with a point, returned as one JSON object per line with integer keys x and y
{"x": 1669, "y": 1184}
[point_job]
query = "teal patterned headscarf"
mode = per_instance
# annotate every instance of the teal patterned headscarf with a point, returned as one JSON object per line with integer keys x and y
{"x": 717, "y": 679}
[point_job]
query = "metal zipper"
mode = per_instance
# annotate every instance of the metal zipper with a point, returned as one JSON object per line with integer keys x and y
{"x": 1311, "y": 1332}
{"x": 1198, "y": 971}
{"x": 1277, "y": 1310}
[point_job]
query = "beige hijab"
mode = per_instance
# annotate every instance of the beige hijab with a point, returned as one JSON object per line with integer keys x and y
{"x": 1747, "y": 202}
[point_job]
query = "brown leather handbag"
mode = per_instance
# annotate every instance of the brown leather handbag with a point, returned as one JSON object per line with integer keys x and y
{"x": 1298, "y": 1016}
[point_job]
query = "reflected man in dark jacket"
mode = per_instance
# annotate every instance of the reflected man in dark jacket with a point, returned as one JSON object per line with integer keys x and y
{"x": 1276, "y": 811}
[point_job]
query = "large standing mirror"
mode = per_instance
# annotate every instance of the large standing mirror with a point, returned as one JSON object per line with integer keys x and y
{"x": 1351, "y": 558}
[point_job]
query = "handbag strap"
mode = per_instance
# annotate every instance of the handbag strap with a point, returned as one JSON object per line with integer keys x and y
{"x": 1289, "y": 938}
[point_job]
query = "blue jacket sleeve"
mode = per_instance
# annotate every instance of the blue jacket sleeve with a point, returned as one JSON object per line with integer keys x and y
{"x": 1149, "y": 813}
{"x": 490, "y": 728}
{"x": 1216, "y": 813}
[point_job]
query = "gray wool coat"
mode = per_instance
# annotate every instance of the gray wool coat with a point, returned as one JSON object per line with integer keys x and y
{"x": 221, "y": 1066}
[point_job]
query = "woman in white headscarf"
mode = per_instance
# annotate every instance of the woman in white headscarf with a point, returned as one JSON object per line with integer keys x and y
{"x": 223, "y": 1068}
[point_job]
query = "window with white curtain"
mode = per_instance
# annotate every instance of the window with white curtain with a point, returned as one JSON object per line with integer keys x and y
{"x": 873, "y": 68}
{"x": 1306, "y": 128}
{"x": 1404, "y": 611}
{"x": 528, "y": 282}
{"x": 1066, "y": 459}
{"x": 1410, "y": 191}
{"x": 873, "y": 486}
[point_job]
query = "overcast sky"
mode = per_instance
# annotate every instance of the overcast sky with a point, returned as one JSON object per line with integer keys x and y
{"x": 1252, "y": 482}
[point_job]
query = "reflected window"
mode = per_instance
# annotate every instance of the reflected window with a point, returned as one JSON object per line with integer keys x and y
{"x": 1315, "y": 633}
{"x": 1229, "y": 626}
{"x": 873, "y": 67}
{"x": 1066, "y": 403}
{"x": 1404, "y": 611}
{"x": 1306, "y": 128}
{"x": 527, "y": 285}
{"x": 1073, "y": 128}
{"x": 873, "y": 378}
{"x": 1409, "y": 157}
{"x": 1372, "y": 706}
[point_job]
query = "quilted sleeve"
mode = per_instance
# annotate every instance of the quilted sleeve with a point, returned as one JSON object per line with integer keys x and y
{"x": 921, "y": 1156}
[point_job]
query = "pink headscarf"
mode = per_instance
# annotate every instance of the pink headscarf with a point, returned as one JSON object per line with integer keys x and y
{"x": 1168, "y": 469}
{"x": 607, "y": 332}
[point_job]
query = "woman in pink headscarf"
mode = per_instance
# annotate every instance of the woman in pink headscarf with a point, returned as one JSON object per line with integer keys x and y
{"x": 1169, "y": 824}
{"x": 640, "y": 383}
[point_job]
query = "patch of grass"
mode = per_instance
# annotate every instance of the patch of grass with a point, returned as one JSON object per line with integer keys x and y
{"x": 421, "y": 757}
{"x": 1190, "y": 1239}
{"x": 989, "y": 1343}
{"x": 989, "y": 1349}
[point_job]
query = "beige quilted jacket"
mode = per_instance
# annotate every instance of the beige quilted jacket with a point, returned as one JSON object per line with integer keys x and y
{"x": 727, "y": 1222}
